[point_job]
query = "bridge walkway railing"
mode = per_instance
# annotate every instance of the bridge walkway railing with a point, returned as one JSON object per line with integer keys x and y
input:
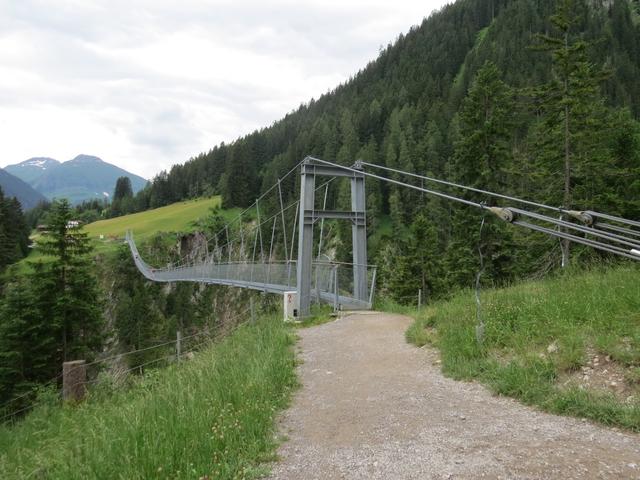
{"x": 331, "y": 282}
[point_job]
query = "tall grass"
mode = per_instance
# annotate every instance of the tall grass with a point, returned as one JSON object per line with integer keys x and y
{"x": 537, "y": 331}
{"x": 211, "y": 417}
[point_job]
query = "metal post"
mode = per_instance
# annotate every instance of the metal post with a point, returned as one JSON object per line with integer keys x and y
{"x": 373, "y": 286}
{"x": 336, "y": 300}
{"x": 419, "y": 298}
{"x": 305, "y": 238}
{"x": 359, "y": 237}
{"x": 178, "y": 344}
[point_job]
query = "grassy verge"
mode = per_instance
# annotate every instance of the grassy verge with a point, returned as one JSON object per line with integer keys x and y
{"x": 569, "y": 345}
{"x": 211, "y": 417}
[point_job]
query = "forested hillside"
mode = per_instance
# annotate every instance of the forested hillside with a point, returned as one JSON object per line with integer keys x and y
{"x": 14, "y": 187}
{"x": 14, "y": 233}
{"x": 534, "y": 98}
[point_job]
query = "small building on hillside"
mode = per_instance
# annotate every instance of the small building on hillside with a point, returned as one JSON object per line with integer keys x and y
{"x": 74, "y": 224}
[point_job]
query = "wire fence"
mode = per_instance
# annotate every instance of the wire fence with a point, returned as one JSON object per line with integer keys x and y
{"x": 189, "y": 345}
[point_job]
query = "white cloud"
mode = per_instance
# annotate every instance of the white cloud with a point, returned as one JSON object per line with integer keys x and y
{"x": 149, "y": 83}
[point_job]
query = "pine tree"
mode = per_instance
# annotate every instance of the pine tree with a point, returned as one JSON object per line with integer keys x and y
{"x": 480, "y": 160}
{"x": 27, "y": 346}
{"x": 571, "y": 104}
{"x": 14, "y": 232}
{"x": 349, "y": 139}
{"x": 369, "y": 153}
{"x": 123, "y": 188}
{"x": 392, "y": 147}
{"x": 122, "y": 197}
{"x": 137, "y": 321}
{"x": 7, "y": 245}
{"x": 240, "y": 179}
{"x": 75, "y": 309}
{"x": 417, "y": 265}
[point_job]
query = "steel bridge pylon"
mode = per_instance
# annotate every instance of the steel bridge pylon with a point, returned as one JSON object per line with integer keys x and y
{"x": 309, "y": 216}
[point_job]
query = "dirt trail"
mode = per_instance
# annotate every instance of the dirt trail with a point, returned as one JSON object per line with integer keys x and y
{"x": 374, "y": 407}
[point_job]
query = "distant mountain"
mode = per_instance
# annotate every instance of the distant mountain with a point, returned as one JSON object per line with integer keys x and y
{"x": 12, "y": 186}
{"x": 31, "y": 170}
{"x": 83, "y": 178}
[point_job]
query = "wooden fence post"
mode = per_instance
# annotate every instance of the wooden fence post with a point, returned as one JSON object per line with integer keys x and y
{"x": 74, "y": 380}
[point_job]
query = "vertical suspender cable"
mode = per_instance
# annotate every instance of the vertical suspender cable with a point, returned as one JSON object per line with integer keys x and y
{"x": 324, "y": 207}
{"x": 284, "y": 228}
{"x": 293, "y": 234}
{"x": 260, "y": 232}
{"x": 273, "y": 234}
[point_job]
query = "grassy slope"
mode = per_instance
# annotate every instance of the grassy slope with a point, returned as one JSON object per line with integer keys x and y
{"x": 537, "y": 337}
{"x": 212, "y": 417}
{"x": 177, "y": 217}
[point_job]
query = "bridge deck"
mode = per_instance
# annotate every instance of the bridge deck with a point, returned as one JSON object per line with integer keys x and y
{"x": 332, "y": 283}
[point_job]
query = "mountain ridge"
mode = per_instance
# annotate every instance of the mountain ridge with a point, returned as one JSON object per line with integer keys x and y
{"x": 84, "y": 177}
{"x": 13, "y": 186}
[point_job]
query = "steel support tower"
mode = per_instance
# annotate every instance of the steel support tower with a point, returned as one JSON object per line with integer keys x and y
{"x": 309, "y": 216}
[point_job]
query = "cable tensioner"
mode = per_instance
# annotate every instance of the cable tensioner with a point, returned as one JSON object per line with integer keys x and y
{"x": 505, "y": 214}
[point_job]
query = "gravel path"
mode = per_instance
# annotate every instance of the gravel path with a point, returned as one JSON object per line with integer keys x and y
{"x": 374, "y": 407}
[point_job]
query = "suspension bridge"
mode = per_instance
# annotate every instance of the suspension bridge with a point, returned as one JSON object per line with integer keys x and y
{"x": 239, "y": 256}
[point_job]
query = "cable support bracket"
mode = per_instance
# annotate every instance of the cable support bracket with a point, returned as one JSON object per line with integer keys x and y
{"x": 584, "y": 217}
{"x": 505, "y": 214}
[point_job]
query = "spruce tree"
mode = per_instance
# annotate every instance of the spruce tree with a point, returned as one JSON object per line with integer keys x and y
{"x": 28, "y": 347}
{"x": 122, "y": 197}
{"x": 570, "y": 135}
{"x": 137, "y": 320}
{"x": 349, "y": 139}
{"x": 417, "y": 264}
{"x": 481, "y": 157}
{"x": 14, "y": 232}
{"x": 123, "y": 188}
{"x": 75, "y": 309}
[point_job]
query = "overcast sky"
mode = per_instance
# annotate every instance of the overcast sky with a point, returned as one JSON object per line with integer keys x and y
{"x": 145, "y": 84}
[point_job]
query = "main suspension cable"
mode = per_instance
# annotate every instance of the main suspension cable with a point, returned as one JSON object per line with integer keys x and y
{"x": 582, "y": 215}
{"x": 465, "y": 187}
{"x": 508, "y": 214}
